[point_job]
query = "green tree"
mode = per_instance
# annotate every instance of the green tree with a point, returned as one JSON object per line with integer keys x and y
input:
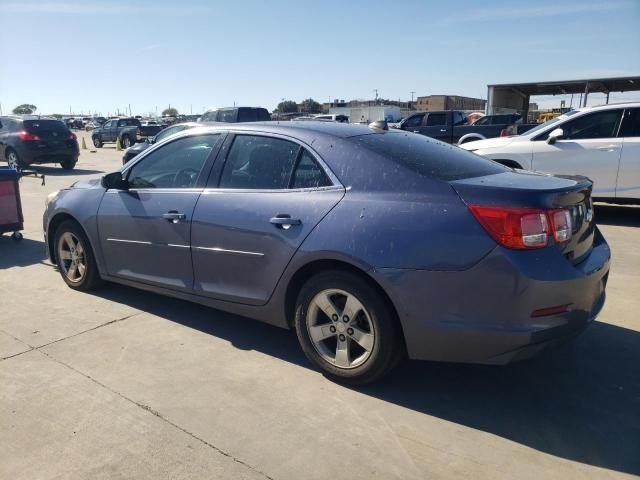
{"x": 24, "y": 109}
{"x": 171, "y": 112}
{"x": 310, "y": 106}
{"x": 287, "y": 106}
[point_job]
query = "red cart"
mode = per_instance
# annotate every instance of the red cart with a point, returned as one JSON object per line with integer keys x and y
{"x": 11, "y": 219}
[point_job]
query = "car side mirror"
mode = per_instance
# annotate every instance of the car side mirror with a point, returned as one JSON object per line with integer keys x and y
{"x": 555, "y": 135}
{"x": 115, "y": 181}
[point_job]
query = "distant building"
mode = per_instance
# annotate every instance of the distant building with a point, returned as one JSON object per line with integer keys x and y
{"x": 449, "y": 102}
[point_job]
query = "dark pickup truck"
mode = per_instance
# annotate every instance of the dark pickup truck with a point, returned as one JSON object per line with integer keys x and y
{"x": 128, "y": 130}
{"x": 451, "y": 126}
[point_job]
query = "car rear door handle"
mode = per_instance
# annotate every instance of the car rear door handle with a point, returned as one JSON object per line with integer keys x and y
{"x": 284, "y": 220}
{"x": 173, "y": 216}
{"x": 443, "y": 130}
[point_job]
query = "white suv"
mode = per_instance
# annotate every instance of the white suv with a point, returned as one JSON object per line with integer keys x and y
{"x": 602, "y": 143}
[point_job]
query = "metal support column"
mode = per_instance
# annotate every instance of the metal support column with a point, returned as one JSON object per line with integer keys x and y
{"x": 586, "y": 93}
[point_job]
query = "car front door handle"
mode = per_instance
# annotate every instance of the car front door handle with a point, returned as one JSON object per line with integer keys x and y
{"x": 608, "y": 148}
{"x": 284, "y": 221}
{"x": 443, "y": 130}
{"x": 173, "y": 216}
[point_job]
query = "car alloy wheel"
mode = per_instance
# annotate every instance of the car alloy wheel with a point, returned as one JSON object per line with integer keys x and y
{"x": 340, "y": 328}
{"x": 72, "y": 257}
{"x": 126, "y": 142}
{"x": 12, "y": 160}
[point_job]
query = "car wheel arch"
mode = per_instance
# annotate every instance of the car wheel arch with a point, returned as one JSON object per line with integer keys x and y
{"x": 57, "y": 220}
{"x": 305, "y": 272}
{"x": 471, "y": 137}
{"x": 508, "y": 163}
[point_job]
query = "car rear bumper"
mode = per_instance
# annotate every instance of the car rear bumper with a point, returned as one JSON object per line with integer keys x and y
{"x": 484, "y": 314}
{"x": 32, "y": 154}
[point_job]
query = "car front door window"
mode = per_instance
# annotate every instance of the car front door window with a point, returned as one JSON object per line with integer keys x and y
{"x": 414, "y": 122}
{"x": 603, "y": 124}
{"x": 175, "y": 165}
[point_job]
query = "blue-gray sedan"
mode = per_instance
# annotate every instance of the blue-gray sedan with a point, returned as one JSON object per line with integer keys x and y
{"x": 372, "y": 244}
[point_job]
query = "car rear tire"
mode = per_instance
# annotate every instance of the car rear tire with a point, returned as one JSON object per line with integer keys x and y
{"x": 126, "y": 142}
{"x": 346, "y": 329}
{"x": 13, "y": 160}
{"x": 97, "y": 142}
{"x": 74, "y": 257}
{"x": 68, "y": 164}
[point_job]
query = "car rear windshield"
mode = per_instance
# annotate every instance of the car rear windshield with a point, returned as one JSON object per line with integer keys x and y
{"x": 253, "y": 115}
{"x": 45, "y": 126}
{"x": 429, "y": 157}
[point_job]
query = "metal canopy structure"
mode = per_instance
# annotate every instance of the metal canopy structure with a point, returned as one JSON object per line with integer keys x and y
{"x": 515, "y": 97}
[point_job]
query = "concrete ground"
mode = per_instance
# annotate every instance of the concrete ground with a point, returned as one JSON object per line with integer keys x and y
{"x": 126, "y": 384}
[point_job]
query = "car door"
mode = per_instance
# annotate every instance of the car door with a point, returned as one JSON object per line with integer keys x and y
{"x": 435, "y": 126}
{"x": 270, "y": 193}
{"x": 145, "y": 230}
{"x": 413, "y": 123}
{"x": 105, "y": 131}
{"x": 629, "y": 175}
{"x": 589, "y": 146}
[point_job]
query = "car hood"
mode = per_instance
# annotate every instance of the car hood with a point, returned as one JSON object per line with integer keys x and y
{"x": 88, "y": 183}
{"x": 490, "y": 143}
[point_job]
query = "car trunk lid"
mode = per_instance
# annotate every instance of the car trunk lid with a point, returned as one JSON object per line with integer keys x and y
{"x": 522, "y": 189}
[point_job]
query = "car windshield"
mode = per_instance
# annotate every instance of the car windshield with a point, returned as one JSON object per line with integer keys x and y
{"x": 428, "y": 157}
{"x": 553, "y": 121}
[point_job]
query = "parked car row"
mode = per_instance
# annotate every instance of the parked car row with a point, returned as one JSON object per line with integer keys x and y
{"x": 359, "y": 238}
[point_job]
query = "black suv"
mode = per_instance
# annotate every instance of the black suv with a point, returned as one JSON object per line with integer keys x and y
{"x": 237, "y": 114}
{"x": 32, "y": 140}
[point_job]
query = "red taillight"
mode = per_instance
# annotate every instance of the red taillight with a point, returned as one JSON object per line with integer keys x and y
{"x": 27, "y": 136}
{"x": 523, "y": 228}
{"x": 561, "y": 225}
{"x": 504, "y": 132}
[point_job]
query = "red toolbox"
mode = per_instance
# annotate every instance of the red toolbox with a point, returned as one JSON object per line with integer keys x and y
{"x": 11, "y": 219}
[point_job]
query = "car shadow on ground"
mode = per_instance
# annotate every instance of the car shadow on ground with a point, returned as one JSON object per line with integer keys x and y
{"x": 617, "y": 215}
{"x": 579, "y": 402}
{"x": 61, "y": 172}
{"x": 20, "y": 253}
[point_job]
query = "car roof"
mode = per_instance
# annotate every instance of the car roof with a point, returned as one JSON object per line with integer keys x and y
{"x": 340, "y": 130}
{"x": 610, "y": 106}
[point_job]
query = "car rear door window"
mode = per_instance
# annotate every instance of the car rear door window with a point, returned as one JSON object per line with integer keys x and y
{"x": 602, "y": 124}
{"x": 259, "y": 162}
{"x": 436, "y": 119}
{"x": 178, "y": 164}
{"x": 631, "y": 123}
{"x": 308, "y": 174}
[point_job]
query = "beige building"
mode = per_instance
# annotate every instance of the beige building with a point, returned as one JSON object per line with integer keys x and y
{"x": 449, "y": 102}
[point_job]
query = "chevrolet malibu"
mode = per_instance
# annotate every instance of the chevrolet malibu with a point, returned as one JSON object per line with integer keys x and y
{"x": 371, "y": 244}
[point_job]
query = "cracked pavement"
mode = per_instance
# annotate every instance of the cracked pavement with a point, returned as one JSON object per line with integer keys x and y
{"x": 121, "y": 383}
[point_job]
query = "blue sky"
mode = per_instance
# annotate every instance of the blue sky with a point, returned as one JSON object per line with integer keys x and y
{"x": 100, "y": 56}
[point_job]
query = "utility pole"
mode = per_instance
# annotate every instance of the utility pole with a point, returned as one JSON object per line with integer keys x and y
{"x": 412, "y": 93}
{"x": 191, "y": 109}
{"x": 376, "y": 90}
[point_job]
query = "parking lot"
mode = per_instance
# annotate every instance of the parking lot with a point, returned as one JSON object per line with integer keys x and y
{"x": 121, "y": 383}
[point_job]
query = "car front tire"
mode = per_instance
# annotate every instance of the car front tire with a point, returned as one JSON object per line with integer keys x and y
{"x": 346, "y": 329}
{"x": 74, "y": 257}
{"x": 97, "y": 142}
{"x": 126, "y": 142}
